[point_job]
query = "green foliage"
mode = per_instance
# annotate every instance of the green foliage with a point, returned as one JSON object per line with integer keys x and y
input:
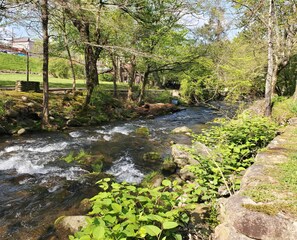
{"x": 2, "y": 111}
{"x": 60, "y": 68}
{"x": 199, "y": 82}
{"x": 284, "y": 109}
{"x": 71, "y": 157}
{"x": 235, "y": 143}
{"x": 158, "y": 97}
{"x": 94, "y": 163}
{"x": 123, "y": 211}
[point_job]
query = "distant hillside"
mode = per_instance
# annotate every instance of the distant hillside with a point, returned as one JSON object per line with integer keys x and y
{"x": 18, "y": 63}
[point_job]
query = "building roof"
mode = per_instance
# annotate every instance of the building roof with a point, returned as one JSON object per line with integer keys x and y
{"x": 15, "y": 40}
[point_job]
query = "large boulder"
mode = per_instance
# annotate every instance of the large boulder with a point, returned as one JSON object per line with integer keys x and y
{"x": 181, "y": 155}
{"x": 184, "y": 154}
{"x": 238, "y": 222}
{"x": 68, "y": 225}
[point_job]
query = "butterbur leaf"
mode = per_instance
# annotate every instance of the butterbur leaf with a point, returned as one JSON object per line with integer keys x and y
{"x": 152, "y": 230}
{"x": 166, "y": 183}
{"x": 98, "y": 233}
{"x": 110, "y": 219}
{"x": 142, "y": 232}
{"x": 116, "y": 207}
{"x": 178, "y": 237}
{"x": 86, "y": 237}
{"x": 169, "y": 225}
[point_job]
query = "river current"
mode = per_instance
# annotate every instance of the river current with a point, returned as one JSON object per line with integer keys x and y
{"x": 37, "y": 186}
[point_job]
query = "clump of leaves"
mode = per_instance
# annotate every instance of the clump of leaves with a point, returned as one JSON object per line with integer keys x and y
{"x": 235, "y": 144}
{"x": 124, "y": 211}
{"x": 72, "y": 157}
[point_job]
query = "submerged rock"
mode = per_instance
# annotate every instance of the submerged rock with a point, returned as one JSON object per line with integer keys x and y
{"x": 144, "y": 131}
{"x": 152, "y": 157}
{"x": 183, "y": 129}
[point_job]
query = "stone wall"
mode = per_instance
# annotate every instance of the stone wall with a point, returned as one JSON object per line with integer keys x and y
{"x": 27, "y": 86}
{"x": 239, "y": 222}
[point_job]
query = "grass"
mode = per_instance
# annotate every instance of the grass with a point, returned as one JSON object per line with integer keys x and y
{"x": 9, "y": 80}
{"x": 18, "y": 63}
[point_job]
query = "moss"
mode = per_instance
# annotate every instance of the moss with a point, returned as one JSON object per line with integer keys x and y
{"x": 270, "y": 209}
{"x": 284, "y": 109}
{"x": 144, "y": 131}
{"x": 152, "y": 156}
{"x": 280, "y": 196}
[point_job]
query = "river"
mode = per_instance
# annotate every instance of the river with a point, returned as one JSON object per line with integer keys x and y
{"x": 37, "y": 186}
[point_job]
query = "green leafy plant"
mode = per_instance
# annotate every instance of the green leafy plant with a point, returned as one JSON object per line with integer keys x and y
{"x": 124, "y": 211}
{"x": 235, "y": 144}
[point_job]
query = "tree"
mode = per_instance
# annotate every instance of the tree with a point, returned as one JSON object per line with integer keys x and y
{"x": 157, "y": 19}
{"x": 278, "y": 20}
{"x": 44, "y": 21}
{"x": 85, "y": 16}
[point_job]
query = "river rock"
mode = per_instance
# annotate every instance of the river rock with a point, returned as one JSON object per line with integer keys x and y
{"x": 73, "y": 123}
{"x": 144, "y": 131}
{"x": 168, "y": 167}
{"x": 11, "y": 113}
{"x": 181, "y": 155}
{"x": 21, "y": 131}
{"x": 186, "y": 174}
{"x": 24, "y": 99}
{"x": 68, "y": 225}
{"x": 183, "y": 129}
{"x": 152, "y": 157}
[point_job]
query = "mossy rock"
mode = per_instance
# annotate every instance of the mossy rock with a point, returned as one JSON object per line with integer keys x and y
{"x": 169, "y": 167}
{"x": 144, "y": 131}
{"x": 152, "y": 157}
{"x": 154, "y": 179}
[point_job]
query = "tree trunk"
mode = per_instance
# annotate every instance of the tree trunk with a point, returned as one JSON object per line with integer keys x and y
{"x": 44, "y": 20}
{"x": 157, "y": 79}
{"x": 91, "y": 72}
{"x": 144, "y": 83}
{"x": 131, "y": 79}
{"x": 28, "y": 65}
{"x": 271, "y": 64}
{"x": 116, "y": 73}
{"x": 71, "y": 63}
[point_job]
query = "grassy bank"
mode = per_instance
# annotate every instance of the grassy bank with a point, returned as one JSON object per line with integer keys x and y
{"x": 9, "y": 80}
{"x": 19, "y": 63}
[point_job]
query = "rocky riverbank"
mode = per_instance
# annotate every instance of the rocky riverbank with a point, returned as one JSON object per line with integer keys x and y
{"x": 22, "y": 112}
{"x": 265, "y": 206}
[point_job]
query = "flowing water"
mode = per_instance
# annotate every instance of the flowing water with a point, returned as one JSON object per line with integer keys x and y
{"x": 36, "y": 186}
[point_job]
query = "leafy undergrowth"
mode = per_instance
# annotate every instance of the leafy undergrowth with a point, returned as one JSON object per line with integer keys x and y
{"x": 234, "y": 145}
{"x": 125, "y": 211}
